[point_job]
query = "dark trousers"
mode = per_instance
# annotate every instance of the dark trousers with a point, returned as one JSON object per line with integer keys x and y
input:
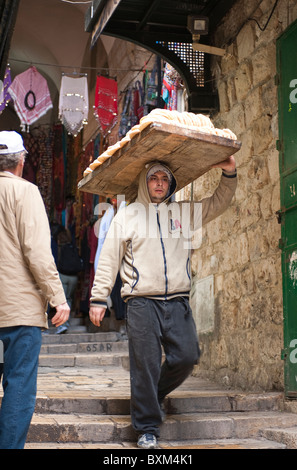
{"x": 152, "y": 324}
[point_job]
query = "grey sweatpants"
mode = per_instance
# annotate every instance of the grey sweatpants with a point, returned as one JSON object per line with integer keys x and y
{"x": 151, "y": 324}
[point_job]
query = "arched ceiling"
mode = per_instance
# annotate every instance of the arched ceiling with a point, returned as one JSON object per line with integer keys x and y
{"x": 162, "y": 27}
{"x": 56, "y": 35}
{"x": 49, "y": 32}
{"x": 50, "y": 35}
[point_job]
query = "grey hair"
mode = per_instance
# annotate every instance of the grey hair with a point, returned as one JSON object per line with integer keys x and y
{"x": 10, "y": 161}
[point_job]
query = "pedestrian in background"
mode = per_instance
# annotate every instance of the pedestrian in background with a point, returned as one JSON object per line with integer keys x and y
{"x": 29, "y": 280}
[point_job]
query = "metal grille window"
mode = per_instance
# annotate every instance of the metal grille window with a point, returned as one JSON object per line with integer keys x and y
{"x": 193, "y": 59}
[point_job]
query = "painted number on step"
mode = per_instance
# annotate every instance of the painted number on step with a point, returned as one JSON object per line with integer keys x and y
{"x": 99, "y": 347}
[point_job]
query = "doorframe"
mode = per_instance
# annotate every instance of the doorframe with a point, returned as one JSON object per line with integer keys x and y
{"x": 289, "y": 351}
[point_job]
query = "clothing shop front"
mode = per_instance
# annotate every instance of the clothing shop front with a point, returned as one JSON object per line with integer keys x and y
{"x": 68, "y": 115}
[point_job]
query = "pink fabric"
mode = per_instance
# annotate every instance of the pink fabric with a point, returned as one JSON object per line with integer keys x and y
{"x": 30, "y": 80}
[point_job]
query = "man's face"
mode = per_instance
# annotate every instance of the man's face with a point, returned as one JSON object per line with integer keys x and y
{"x": 158, "y": 185}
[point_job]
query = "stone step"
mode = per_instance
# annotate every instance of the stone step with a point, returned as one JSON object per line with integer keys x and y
{"x": 187, "y": 445}
{"x": 75, "y": 338}
{"x": 83, "y": 401}
{"x": 286, "y": 436}
{"x": 178, "y": 403}
{"x": 120, "y": 359}
{"x": 76, "y": 329}
{"x": 85, "y": 347}
{"x": 90, "y": 428}
{"x": 76, "y": 321}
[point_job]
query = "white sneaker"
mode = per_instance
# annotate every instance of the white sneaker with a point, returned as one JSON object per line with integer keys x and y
{"x": 147, "y": 441}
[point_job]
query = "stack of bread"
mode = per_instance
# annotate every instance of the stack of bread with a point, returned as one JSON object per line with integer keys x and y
{"x": 197, "y": 122}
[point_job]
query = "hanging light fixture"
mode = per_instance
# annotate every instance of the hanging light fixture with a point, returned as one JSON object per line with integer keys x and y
{"x": 198, "y": 25}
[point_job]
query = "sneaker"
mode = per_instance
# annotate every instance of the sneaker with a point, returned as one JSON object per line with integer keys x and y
{"x": 147, "y": 441}
{"x": 61, "y": 330}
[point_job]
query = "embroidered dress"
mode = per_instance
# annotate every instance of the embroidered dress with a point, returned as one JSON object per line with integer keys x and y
{"x": 106, "y": 104}
{"x": 74, "y": 103}
{"x": 31, "y": 96}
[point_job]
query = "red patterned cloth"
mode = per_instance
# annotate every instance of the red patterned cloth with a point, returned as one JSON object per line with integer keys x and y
{"x": 106, "y": 103}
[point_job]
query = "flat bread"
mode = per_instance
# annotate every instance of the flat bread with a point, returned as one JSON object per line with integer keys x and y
{"x": 186, "y": 119}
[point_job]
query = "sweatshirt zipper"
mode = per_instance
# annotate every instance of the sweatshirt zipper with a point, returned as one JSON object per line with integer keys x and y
{"x": 164, "y": 257}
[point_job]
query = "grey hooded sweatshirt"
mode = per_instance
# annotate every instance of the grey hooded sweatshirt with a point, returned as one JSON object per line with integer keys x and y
{"x": 151, "y": 244}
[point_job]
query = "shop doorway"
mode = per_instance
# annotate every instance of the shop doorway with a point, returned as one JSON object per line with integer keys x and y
{"x": 287, "y": 145}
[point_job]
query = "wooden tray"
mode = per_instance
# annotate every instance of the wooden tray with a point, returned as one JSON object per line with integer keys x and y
{"x": 188, "y": 153}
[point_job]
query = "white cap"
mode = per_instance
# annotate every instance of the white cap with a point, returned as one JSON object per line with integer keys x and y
{"x": 11, "y": 142}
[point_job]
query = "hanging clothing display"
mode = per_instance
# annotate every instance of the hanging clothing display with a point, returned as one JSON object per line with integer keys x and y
{"x": 5, "y": 97}
{"x": 45, "y": 138}
{"x": 74, "y": 103}
{"x": 170, "y": 87}
{"x": 133, "y": 108}
{"x": 106, "y": 103}
{"x": 58, "y": 172}
{"x": 32, "y": 162}
{"x": 151, "y": 97}
{"x": 31, "y": 96}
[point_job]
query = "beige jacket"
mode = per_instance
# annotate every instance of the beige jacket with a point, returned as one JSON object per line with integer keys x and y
{"x": 28, "y": 274}
{"x": 151, "y": 245}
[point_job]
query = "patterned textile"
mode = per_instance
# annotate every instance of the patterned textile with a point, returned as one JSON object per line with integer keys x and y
{"x": 31, "y": 96}
{"x": 32, "y": 162}
{"x": 74, "y": 103}
{"x": 106, "y": 103}
{"x": 45, "y": 140}
{"x": 170, "y": 85}
{"x": 58, "y": 172}
{"x": 4, "y": 95}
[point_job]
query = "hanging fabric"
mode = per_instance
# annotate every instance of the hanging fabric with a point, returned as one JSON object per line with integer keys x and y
{"x": 139, "y": 108}
{"x": 152, "y": 88}
{"x": 170, "y": 86}
{"x": 125, "y": 124}
{"x": 58, "y": 172}
{"x": 133, "y": 108}
{"x": 32, "y": 162}
{"x": 73, "y": 103}
{"x": 5, "y": 97}
{"x": 31, "y": 96}
{"x": 106, "y": 103}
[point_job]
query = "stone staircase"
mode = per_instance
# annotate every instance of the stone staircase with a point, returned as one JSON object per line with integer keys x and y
{"x": 83, "y": 402}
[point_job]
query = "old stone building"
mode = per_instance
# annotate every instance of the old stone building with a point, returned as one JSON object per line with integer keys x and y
{"x": 238, "y": 274}
{"x": 237, "y": 294}
{"x": 239, "y": 264}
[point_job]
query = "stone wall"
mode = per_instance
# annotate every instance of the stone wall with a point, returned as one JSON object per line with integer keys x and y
{"x": 239, "y": 262}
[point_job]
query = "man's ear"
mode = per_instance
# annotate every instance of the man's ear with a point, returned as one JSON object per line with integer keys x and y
{"x": 20, "y": 166}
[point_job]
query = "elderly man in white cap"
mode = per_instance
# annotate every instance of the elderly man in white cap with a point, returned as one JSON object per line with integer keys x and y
{"x": 149, "y": 243}
{"x": 28, "y": 281}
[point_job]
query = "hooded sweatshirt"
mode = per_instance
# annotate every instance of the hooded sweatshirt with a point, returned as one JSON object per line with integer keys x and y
{"x": 151, "y": 244}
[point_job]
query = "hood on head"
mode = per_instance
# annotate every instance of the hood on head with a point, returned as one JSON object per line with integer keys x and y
{"x": 143, "y": 194}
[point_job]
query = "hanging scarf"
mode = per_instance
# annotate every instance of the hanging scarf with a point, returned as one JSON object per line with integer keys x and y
{"x": 170, "y": 85}
{"x": 73, "y": 103}
{"x": 31, "y": 96}
{"x": 106, "y": 104}
{"x": 5, "y": 96}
